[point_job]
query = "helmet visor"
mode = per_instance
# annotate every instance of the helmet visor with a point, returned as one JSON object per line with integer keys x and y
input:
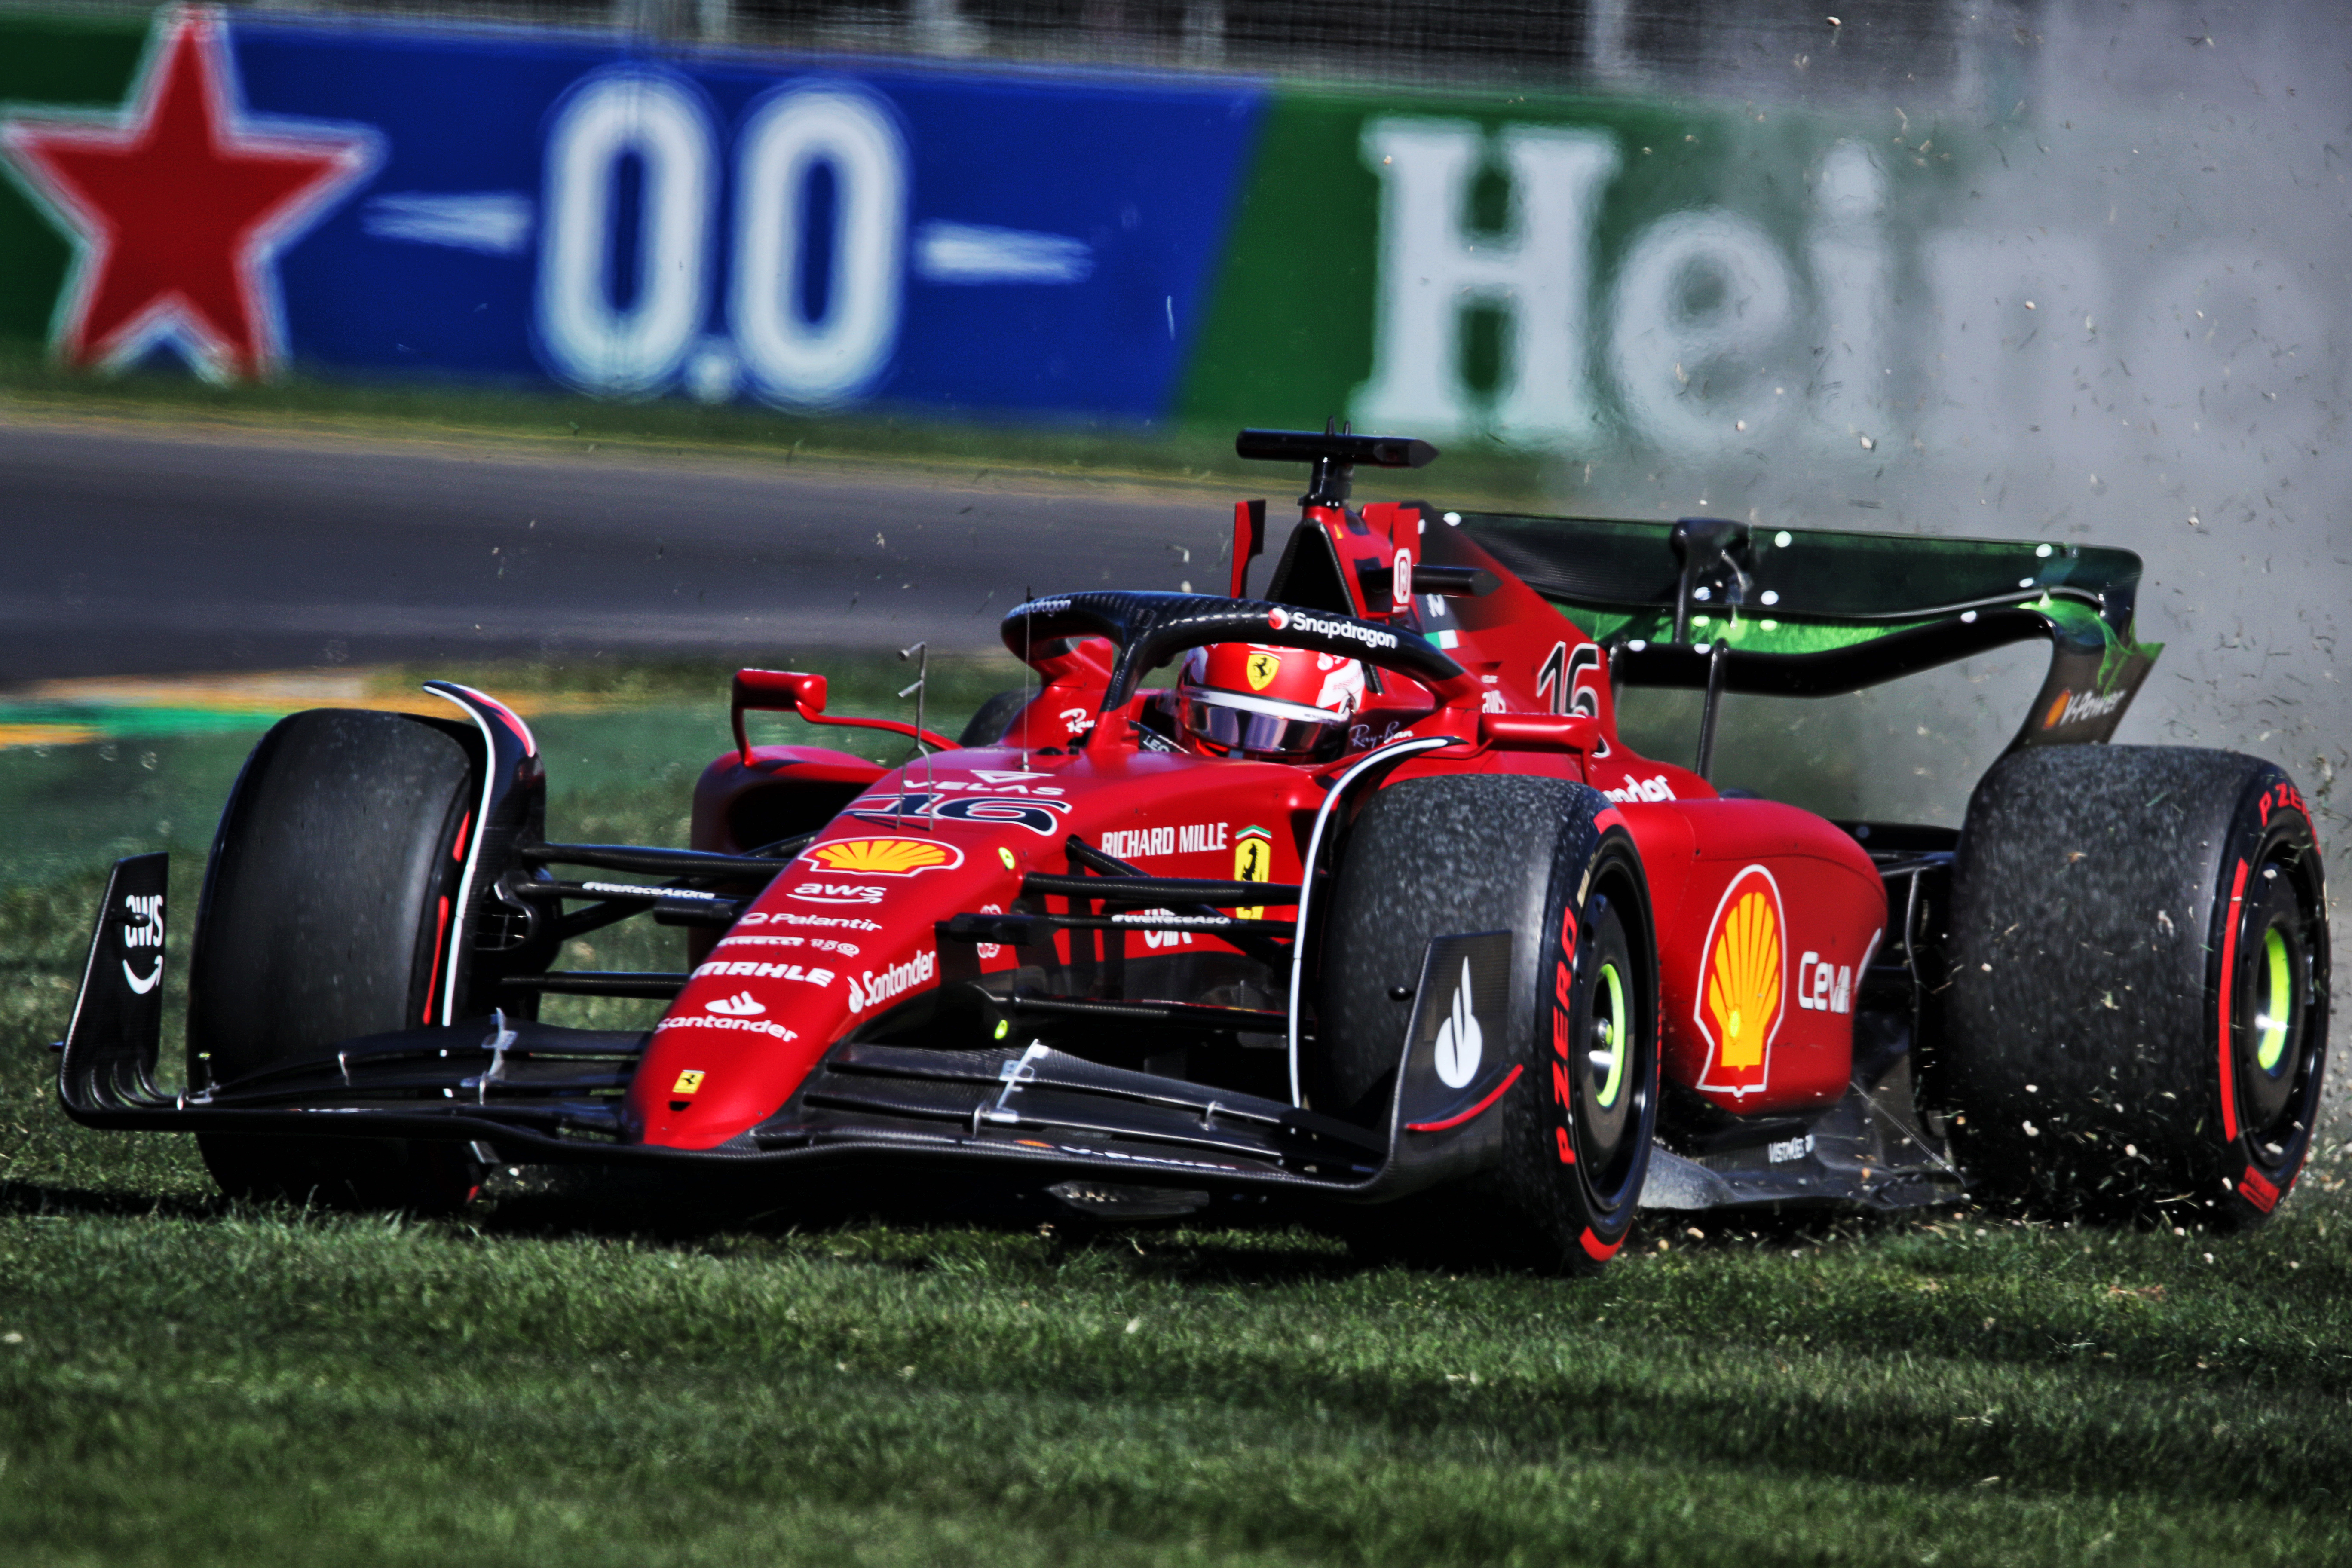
{"x": 1251, "y": 732}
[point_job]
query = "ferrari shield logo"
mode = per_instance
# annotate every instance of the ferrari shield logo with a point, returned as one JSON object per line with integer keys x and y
{"x": 1740, "y": 990}
{"x": 1253, "y": 862}
{"x": 1262, "y": 669}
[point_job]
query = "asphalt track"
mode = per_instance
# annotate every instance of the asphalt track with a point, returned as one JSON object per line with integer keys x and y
{"x": 132, "y": 549}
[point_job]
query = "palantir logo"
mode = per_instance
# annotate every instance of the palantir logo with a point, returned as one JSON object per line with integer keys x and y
{"x": 742, "y": 1005}
{"x": 1460, "y": 1042}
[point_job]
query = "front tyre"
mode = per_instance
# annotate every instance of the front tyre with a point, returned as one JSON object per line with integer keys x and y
{"x": 2138, "y": 1017}
{"x": 1549, "y": 861}
{"x": 329, "y": 912}
{"x": 986, "y": 727}
{"x": 1603, "y": 1070}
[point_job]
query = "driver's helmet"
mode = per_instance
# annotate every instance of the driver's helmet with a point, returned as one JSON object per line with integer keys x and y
{"x": 1274, "y": 704}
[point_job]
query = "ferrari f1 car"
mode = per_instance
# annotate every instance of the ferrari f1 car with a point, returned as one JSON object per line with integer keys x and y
{"x": 1372, "y": 907}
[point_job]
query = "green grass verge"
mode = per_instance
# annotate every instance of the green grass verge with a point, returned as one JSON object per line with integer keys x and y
{"x": 608, "y": 1373}
{"x": 31, "y": 384}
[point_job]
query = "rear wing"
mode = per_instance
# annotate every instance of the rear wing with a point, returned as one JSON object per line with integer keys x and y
{"x": 1719, "y": 605}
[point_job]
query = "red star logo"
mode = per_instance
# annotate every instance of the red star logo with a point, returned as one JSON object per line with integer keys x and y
{"x": 178, "y": 206}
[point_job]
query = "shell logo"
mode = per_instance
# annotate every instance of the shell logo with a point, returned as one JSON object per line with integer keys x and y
{"x": 1742, "y": 984}
{"x": 884, "y": 857}
{"x": 2057, "y": 711}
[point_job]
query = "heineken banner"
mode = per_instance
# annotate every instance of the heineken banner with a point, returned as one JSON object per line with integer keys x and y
{"x": 249, "y": 195}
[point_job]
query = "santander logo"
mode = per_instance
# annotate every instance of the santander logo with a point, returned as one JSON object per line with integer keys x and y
{"x": 1460, "y": 1041}
{"x": 742, "y": 1005}
{"x": 875, "y": 988}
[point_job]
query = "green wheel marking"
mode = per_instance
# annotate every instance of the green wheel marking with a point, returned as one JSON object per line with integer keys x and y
{"x": 1612, "y": 1021}
{"x": 2278, "y": 1005}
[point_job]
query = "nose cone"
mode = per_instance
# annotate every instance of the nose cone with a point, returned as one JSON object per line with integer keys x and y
{"x": 844, "y": 933}
{"x": 740, "y": 1037}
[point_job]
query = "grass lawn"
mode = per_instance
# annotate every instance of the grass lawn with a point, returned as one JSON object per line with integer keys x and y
{"x": 608, "y": 1373}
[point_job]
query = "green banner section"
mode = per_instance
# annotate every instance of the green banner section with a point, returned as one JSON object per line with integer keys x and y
{"x": 54, "y": 62}
{"x": 1565, "y": 273}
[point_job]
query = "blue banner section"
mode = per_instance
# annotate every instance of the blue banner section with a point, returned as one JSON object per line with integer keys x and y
{"x": 816, "y": 234}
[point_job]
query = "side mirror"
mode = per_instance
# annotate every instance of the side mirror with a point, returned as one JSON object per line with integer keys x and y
{"x": 773, "y": 691}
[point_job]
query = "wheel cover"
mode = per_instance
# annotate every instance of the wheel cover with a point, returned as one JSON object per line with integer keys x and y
{"x": 1608, "y": 1094}
{"x": 2277, "y": 1012}
{"x": 2275, "y": 1008}
{"x": 1607, "y": 1058}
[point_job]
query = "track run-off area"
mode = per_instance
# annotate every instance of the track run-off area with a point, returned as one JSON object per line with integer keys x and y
{"x": 138, "y": 549}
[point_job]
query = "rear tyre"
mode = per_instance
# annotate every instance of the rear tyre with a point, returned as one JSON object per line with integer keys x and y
{"x": 326, "y": 914}
{"x": 1549, "y": 861}
{"x": 987, "y": 726}
{"x": 2138, "y": 1017}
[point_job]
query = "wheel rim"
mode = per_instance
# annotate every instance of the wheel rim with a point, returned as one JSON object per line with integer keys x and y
{"x": 1607, "y": 1058}
{"x": 2275, "y": 1010}
{"x": 1606, "y": 1096}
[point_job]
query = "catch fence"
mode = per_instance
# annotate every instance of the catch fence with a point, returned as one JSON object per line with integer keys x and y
{"x": 1925, "y": 52}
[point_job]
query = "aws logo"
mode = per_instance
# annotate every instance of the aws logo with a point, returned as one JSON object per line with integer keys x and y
{"x": 142, "y": 926}
{"x": 1742, "y": 993}
{"x": 884, "y": 857}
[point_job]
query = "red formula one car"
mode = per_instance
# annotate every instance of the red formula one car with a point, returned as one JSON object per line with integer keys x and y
{"x": 1371, "y": 906}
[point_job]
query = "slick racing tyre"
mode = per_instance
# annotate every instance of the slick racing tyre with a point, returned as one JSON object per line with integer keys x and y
{"x": 2137, "y": 1021}
{"x": 987, "y": 726}
{"x": 325, "y": 916}
{"x": 1548, "y": 861}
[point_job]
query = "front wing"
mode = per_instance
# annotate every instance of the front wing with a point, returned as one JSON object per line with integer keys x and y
{"x": 539, "y": 1093}
{"x": 526, "y": 1092}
